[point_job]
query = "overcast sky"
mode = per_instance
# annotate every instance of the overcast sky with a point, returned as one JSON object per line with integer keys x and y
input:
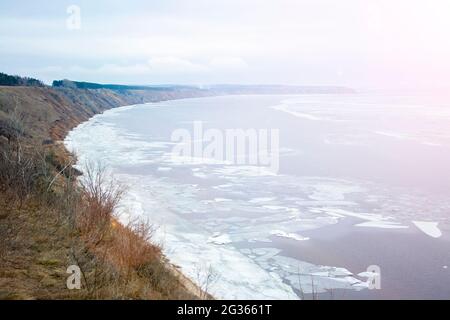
{"x": 363, "y": 44}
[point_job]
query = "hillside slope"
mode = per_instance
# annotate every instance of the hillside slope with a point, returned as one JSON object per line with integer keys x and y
{"x": 47, "y": 224}
{"x": 51, "y": 112}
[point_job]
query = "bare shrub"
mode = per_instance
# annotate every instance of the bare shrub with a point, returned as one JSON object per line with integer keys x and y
{"x": 206, "y": 278}
{"x": 12, "y": 128}
{"x": 24, "y": 168}
{"x": 22, "y": 171}
{"x": 100, "y": 197}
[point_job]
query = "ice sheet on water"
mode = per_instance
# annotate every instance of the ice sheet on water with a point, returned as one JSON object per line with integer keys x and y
{"x": 108, "y": 143}
{"x": 259, "y": 200}
{"x": 371, "y": 219}
{"x": 288, "y": 109}
{"x": 309, "y": 278}
{"x": 293, "y": 236}
{"x": 165, "y": 169}
{"x": 382, "y": 225}
{"x": 220, "y": 239}
{"x": 198, "y": 226}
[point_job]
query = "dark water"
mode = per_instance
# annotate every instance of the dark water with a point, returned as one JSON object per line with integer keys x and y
{"x": 412, "y": 264}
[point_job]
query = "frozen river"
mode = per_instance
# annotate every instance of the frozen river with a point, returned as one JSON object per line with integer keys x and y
{"x": 360, "y": 181}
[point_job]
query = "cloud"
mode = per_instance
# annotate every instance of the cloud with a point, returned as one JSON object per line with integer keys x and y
{"x": 228, "y": 63}
{"x": 254, "y": 41}
{"x": 174, "y": 65}
{"x": 169, "y": 66}
{"x": 154, "y": 66}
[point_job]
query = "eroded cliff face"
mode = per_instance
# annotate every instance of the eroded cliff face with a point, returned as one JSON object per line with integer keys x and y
{"x": 49, "y": 113}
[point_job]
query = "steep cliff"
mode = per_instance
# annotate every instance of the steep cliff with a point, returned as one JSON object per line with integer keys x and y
{"x": 49, "y": 113}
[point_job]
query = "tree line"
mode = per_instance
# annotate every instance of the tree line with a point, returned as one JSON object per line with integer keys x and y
{"x": 8, "y": 80}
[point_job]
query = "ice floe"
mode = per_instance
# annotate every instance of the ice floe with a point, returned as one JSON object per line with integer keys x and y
{"x": 429, "y": 228}
{"x": 287, "y": 109}
{"x": 372, "y": 220}
{"x": 164, "y": 169}
{"x": 382, "y": 225}
{"x": 293, "y": 236}
{"x": 259, "y": 200}
{"x": 220, "y": 239}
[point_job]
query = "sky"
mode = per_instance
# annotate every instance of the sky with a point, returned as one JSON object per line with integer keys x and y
{"x": 356, "y": 43}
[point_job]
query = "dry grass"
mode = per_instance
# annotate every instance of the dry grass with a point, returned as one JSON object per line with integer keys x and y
{"x": 131, "y": 249}
{"x": 49, "y": 224}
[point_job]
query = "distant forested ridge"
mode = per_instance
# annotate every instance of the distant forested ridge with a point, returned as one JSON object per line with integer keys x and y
{"x": 9, "y": 80}
{"x": 91, "y": 85}
{"x": 15, "y": 81}
{"x": 212, "y": 89}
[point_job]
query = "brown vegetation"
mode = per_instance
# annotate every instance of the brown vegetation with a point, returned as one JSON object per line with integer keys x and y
{"x": 46, "y": 225}
{"x": 49, "y": 222}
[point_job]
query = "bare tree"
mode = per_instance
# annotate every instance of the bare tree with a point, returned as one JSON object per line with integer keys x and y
{"x": 206, "y": 278}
